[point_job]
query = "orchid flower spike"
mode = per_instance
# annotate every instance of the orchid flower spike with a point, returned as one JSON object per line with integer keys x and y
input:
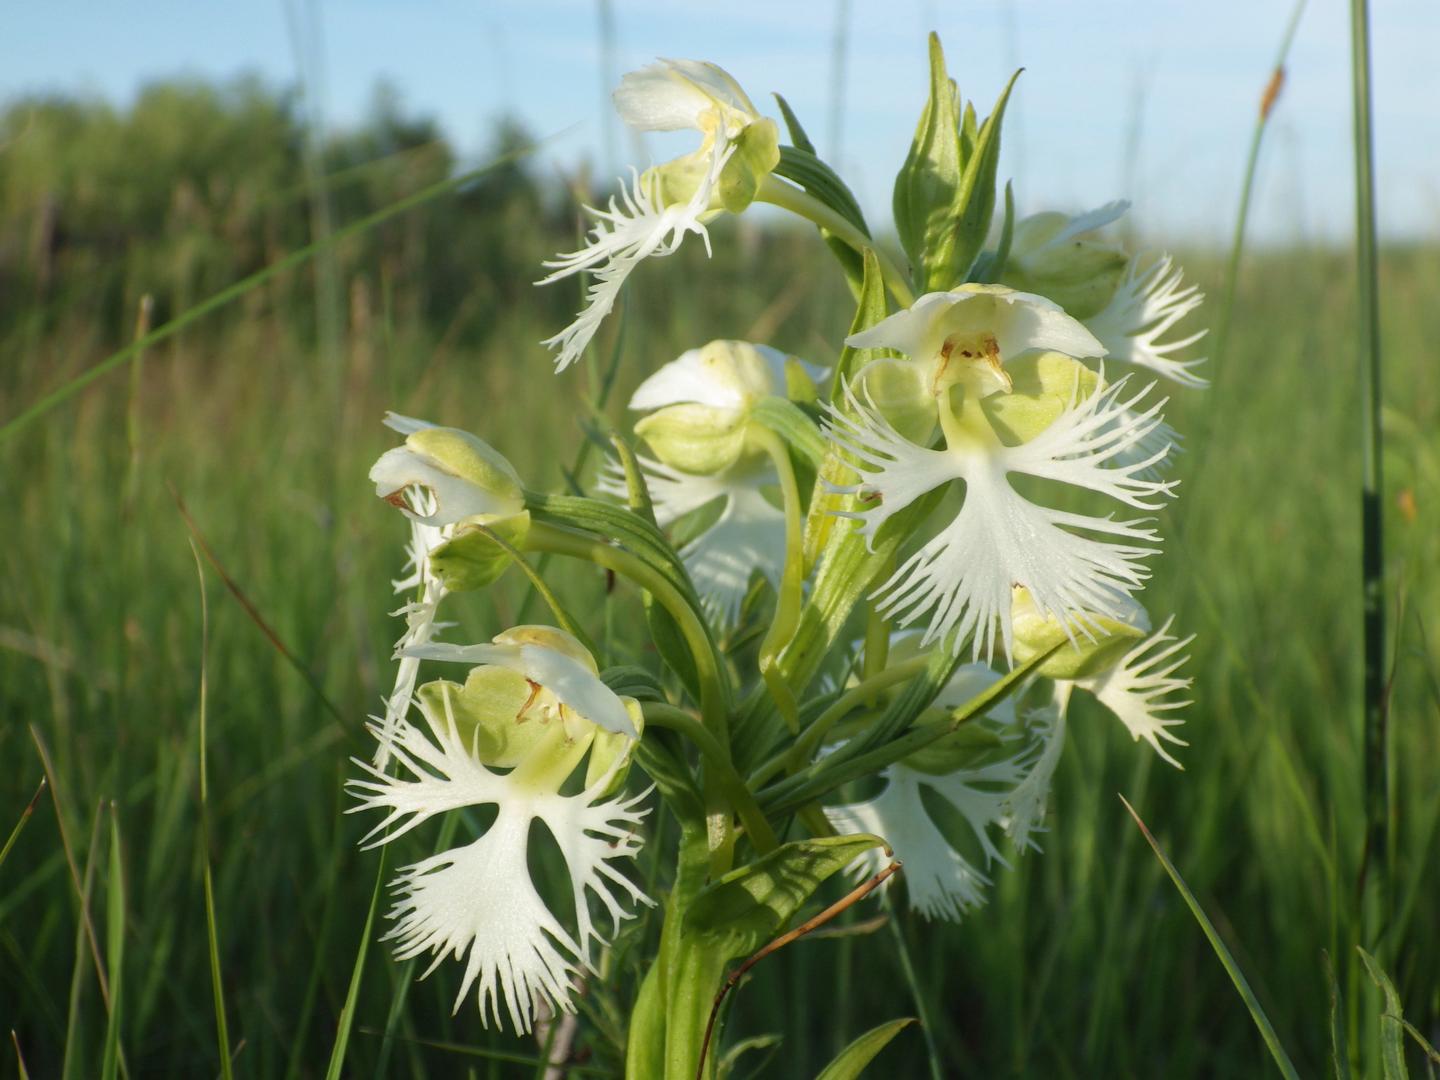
{"x": 510, "y": 737}
{"x": 653, "y": 215}
{"x": 702, "y": 402}
{"x": 1128, "y": 302}
{"x": 439, "y": 477}
{"x": 1044, "y": 415}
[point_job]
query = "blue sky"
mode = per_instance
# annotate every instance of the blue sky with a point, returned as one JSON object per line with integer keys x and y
{"x": 1179, "y": 81}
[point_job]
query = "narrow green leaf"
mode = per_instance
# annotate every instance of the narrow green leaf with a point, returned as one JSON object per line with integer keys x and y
{"x": 990, "y": 267}
{"x": 347, "y": 1013}
{"x": 797, "y": 430}
{"x": 635, "y": 486}
{"x": 792, "y": 124}
{"x": 975, "y": 200}
{"x": 1257, "y": 1013}
{"x": 1339, "y": 1051}
{"x": 114, "y": 949}
{"x": 21, "y": 1071}
{"x": 877, "y": 747}
{"x": 628, "y": 680}
{"x": 770, "y": 1043}
{"x": 748, "y": 907}
{"x": 1392, "y": 1020}
{"x": 820, "y": 180}
{"x": 851, "y": 1061}
{"x": 661, "y": 754}
{"x": 25, "y": 816}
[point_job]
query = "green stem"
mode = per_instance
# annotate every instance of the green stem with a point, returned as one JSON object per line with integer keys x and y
{"x": 811, "y": 738}
{"x": 788, "y": 197}
{"x": 714, "y": 699}
{"x": 544, "y": 537}
{"x": 718, "y": 759}
{"x": 912, "y": 982}
{"x": 1376, "y": 864}
{"x": 1252, "y": 161}
{"x": 791, "y": 592}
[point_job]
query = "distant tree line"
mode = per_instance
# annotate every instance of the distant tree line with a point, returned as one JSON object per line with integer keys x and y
{"x": 196, "y": 185}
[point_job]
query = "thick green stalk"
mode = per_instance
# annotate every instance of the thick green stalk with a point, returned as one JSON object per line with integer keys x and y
{"x": 790, "y": 595}
{"x": 1376, "y": 865}
{"x": 788, "y": 197}
{"x": 718, "y": 760}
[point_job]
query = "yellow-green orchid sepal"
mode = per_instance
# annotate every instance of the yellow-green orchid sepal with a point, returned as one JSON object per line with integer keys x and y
{"x": 470, "y": 559}
{"x": 1095, "y": 646}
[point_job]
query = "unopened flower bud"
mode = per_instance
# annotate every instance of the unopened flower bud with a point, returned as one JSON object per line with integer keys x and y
{"x": 465, "y": 475}
{"x": 1052, "y": 255}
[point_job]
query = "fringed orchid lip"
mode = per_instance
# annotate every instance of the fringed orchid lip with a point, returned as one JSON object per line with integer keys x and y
{"x": 962, "y": 580}
{"x": 477, "y": 901}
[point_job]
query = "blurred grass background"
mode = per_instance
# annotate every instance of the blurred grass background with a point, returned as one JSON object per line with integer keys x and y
{"x": 265, "y": 418}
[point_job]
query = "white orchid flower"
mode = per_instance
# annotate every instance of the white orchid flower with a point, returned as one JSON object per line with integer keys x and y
{"x": 702, "y": 399}
{"x": 439, "y": 477}
{"x": 965, "y": 336}
{"x": 654, "y": 214}
{"x": 962, "y": 578}
{"x": 1131, "y": 671}
{"x": 1129, "y": 303}
{"x": 1140, "y": 690}
{"x": 942, "y": 881}
{"x": 477, "y": 902}
{"x": 1148, "y": 303}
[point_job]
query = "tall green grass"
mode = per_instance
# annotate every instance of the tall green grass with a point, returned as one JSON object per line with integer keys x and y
{"x": 1086, "y": 961}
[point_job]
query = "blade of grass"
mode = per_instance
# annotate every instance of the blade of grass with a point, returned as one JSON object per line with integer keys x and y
{"x": 917, "y": 994}
{"x": 351, "y": 727}
{"x": 25, "y": 816}
{"x": 1392, "y": 1020}
{"x": 87, "y": 925}
{"x": 83, "y": 930}
{"x": 1339, "y": 1051}
{"x": 1252, "y": 163}
{"x": 1262, "y": 1022}
{"x": 234, "y": 292}
{"x": 115, "y": 949}
{"x": 347, "y": 1014}
{"x": 1376, "y": 886}
{"x": 22, "y": 1072}
{"x": 212, "y": 932}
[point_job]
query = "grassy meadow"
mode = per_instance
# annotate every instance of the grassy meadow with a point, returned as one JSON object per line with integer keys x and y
{"x": 121, "y": 648}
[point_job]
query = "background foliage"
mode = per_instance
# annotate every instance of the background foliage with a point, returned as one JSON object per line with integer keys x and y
{"x": 264, "y": 417}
